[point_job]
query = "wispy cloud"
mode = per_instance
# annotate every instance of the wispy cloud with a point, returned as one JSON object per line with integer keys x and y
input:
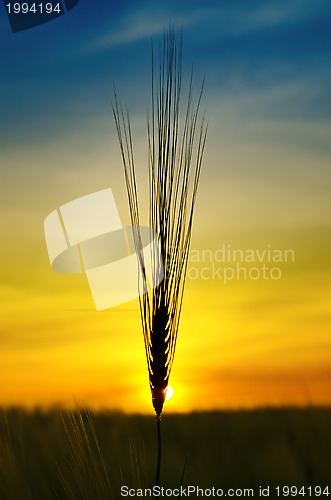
{"x": 145, "y": 23}
{"x": 148, "y": 21}
{"x": 259, "y": 15}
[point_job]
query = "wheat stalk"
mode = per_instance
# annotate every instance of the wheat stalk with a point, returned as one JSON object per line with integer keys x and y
{"x": 174, "y": 171}
{"x": 89, "y": 475}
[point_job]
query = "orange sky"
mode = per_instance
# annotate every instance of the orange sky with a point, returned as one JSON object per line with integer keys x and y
{"x": 240, "y": 344}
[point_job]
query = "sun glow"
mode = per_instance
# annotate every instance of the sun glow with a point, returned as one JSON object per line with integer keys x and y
{"x": 169, "y": 392}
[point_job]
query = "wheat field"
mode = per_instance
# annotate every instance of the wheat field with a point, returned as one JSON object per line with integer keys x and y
{"x": 230, "y": 449}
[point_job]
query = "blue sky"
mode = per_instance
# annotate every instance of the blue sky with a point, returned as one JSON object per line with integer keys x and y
{"x": 64, "y": 69}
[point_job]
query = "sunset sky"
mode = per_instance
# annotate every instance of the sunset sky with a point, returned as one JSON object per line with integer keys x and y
{"x": 265, "y": 185}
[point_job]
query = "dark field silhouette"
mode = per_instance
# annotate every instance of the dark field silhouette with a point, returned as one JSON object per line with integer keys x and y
{"x": 229, "y": 449}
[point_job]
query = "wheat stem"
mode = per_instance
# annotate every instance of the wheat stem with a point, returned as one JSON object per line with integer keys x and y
{"x": 159, "y": 451}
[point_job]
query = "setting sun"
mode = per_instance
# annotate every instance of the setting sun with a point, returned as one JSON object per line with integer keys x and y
{"x": 169, "y": 393}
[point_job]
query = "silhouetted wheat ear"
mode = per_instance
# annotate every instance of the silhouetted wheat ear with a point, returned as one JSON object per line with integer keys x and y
{"x": 176, "y": 144}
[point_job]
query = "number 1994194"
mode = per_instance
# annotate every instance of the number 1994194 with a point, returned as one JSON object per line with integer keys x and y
{"x": 310, "y": 491}
{"x": 34, "y": 8}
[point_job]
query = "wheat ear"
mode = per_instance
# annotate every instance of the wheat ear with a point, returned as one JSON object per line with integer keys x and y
{"x": 176, "y": 148}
